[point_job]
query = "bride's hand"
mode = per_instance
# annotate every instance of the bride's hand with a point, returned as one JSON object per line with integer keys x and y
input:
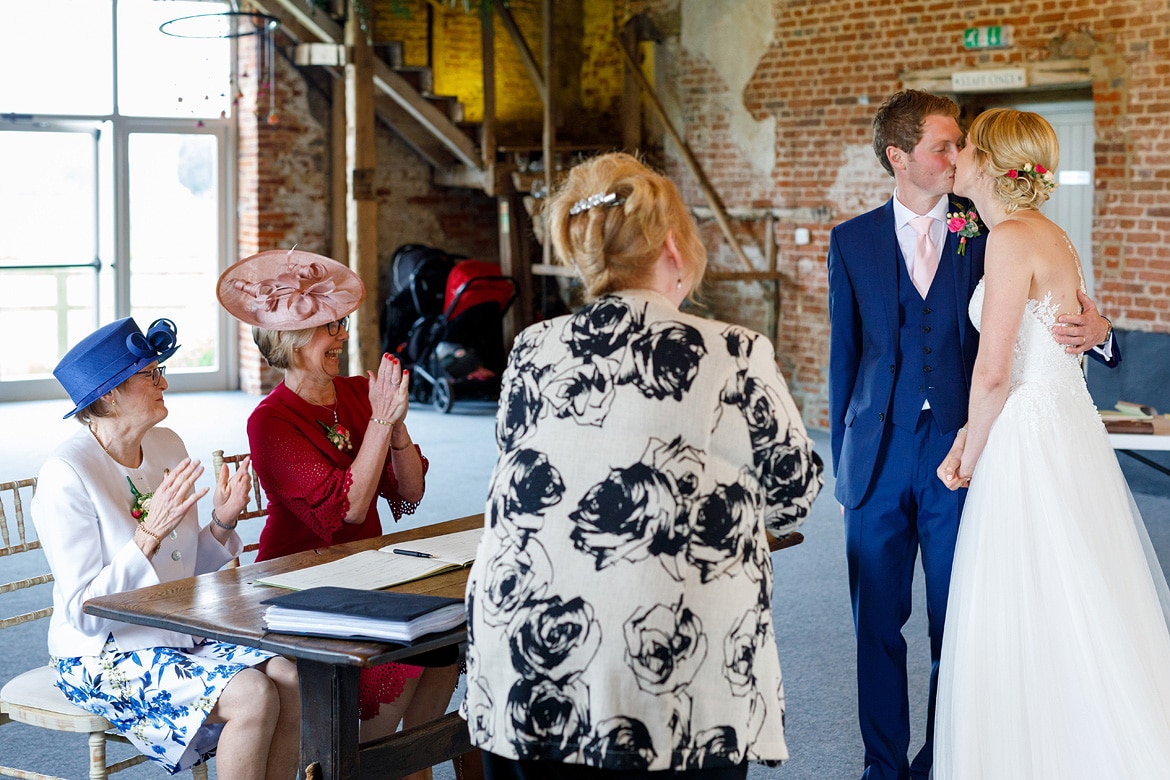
{"x": 948, "y": 472}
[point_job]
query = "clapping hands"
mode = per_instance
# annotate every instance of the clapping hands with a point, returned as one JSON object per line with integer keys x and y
{"x": 173, "y": 498}
{"x": 232, "y": 491}
{"x": 389, "y": 391}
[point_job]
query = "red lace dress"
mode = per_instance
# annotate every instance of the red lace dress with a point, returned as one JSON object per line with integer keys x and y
{"x": 307, "y": 478}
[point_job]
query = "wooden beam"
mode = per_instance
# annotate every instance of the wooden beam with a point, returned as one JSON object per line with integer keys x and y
{"x": 402, "y": 124}
{"x": 538, "y": 80}
{"x": 310, "y": 22}
{"x": 339, "y": 181}
{"x": 361, "y": 200}
{"x": 487, "y": 46}
{"x": 549, "y": 135}
{"x": 426, "y": 114}
{"x": 689, "y": 158}
{"x": 1047, "y": 74}
{"x": 631, "y": 105}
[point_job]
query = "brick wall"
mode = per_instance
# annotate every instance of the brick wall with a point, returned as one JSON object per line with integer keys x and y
{"x": 284, "y": 185}
{"x": 824, "y": 69}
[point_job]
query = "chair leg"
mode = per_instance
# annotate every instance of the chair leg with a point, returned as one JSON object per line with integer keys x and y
{"x": 97, "y": 756}
{"x": 199, "y": 771}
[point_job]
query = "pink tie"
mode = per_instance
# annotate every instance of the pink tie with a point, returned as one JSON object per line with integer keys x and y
{"x": 925, "y": 255}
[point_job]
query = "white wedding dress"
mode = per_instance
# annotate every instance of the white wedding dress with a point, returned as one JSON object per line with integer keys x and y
{"x": 1056, "y": 655}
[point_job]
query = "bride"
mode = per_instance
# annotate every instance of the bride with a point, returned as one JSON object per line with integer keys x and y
{"x": 1056, "y": 653}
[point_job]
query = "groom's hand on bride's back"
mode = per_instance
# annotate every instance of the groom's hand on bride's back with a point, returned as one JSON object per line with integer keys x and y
{"x": 1079, "y": 333}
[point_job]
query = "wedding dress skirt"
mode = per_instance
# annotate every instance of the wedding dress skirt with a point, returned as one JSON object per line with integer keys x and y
{"x": 1056, "y": 654}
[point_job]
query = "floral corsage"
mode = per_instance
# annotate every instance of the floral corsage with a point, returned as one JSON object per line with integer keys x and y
{"x": 141, "y": 506}
{"x": 337, "y": 434}
{"x": 965, "y": 223}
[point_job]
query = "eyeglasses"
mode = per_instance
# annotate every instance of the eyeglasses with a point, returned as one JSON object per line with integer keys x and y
{"x": 336, "y": 326}
{"x": 156, "y": 374}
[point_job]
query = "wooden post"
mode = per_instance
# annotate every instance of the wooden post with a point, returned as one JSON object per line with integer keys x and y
{"x": 487, "y": 139}
{"x": 770, "y": 257}
{"x": 515, "y": 262}
{"x": 549, "y": 140}
{"x": 631, "y": 96}
{"x": 689, "y": 158}
{"x": 339, "y": 184}
{"x": 361, "y": 203}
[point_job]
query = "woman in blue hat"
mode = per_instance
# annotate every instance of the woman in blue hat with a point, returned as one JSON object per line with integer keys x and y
{"x": 115, "y": 509}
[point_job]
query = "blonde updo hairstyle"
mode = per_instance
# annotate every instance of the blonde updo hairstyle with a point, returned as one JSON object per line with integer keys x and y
{"x": 278, "y": 346}
{"x": 615, "y": 246}
{"x": 1006, "y": 139}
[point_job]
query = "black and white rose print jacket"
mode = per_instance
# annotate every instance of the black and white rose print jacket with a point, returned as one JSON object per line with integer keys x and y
{"x": 620, "y": 607}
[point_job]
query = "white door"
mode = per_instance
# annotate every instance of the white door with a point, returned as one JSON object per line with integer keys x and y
{"x": 1071, "y": 205}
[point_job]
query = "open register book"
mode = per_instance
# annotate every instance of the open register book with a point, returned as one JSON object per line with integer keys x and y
{"x": 362, "y": 614}
{"x": 386, "y": 566}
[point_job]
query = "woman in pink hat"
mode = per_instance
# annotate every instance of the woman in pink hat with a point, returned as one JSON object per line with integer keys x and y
{"x": 326, "y": 446}
{"x": 115, "y": 509}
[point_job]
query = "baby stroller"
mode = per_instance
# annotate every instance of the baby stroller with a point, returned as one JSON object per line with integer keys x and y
{"x": 418, "y": 283}
{"x": 459, "y": 351}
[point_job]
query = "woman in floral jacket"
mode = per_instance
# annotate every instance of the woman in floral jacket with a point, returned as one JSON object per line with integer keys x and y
{"x": 620, "y": 606}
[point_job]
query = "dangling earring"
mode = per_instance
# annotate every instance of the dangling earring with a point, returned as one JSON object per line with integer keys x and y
{"x": 678, "y": 284}
{"x": 114, "y": 407}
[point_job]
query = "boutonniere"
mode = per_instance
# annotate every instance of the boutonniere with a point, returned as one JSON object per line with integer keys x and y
{"x": 965, "y": 223}
{"x": 141, "y": 506}
{"x": 337, "y": 434}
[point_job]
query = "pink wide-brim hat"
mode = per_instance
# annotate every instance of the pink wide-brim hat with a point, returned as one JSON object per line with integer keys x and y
{"x": 289, "y": 290}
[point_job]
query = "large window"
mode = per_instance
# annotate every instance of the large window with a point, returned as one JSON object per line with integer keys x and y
{"x": 116, "y": 181}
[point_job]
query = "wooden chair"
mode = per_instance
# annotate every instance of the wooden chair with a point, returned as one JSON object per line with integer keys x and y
{"x": 31, "y": 698}
{"x": 257, "y": 503}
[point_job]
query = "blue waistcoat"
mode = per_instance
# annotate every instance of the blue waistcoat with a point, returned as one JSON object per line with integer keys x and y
{"x": 930, "y": 356}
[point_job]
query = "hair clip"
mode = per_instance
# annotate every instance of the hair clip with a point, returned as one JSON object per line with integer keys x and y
{"x": 599, "y": 199}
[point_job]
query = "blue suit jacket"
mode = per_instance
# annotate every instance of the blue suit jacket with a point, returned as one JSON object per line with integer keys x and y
{"x": 863, "y": 347}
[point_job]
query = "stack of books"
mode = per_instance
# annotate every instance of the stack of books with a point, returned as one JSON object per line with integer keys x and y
{"x": 362, "y": 614}
{"x": 1129, "y": 417}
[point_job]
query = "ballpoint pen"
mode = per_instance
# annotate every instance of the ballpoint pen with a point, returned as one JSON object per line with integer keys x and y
{"x": 413, "y": 553}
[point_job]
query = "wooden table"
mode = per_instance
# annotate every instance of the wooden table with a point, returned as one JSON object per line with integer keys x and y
{"x": 225, "y": 605}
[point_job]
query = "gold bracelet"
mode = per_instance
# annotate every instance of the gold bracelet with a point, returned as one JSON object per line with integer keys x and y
{"x": 149, "y": 533}
{"x": 387, "y": 423}
{"x": 224, "y": 526}
{"x": 400, "y": 449}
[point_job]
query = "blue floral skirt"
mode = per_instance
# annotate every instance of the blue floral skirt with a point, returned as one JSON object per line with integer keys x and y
{"x": 158, "y": 698}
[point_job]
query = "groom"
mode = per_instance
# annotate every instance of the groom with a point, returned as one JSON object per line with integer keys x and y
{"x": 901, "y": 354}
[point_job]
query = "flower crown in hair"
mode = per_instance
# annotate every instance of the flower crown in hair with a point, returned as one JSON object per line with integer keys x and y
{"x": 1041, "y": 175}
{"x": 598, "y": 199}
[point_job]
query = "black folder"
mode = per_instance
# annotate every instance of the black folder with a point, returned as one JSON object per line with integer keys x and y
{"x": 362, "y": 614}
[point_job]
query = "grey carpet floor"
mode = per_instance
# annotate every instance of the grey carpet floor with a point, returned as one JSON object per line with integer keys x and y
{"x": 813, "y": 620}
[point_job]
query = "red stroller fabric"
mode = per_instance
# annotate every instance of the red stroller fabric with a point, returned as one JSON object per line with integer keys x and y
{"x": 498, "y": 291}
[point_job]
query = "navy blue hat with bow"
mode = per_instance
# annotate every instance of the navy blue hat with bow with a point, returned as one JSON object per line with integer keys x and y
{"x": 110, "y": 355}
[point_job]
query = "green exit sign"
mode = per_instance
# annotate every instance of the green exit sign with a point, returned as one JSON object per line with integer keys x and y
{"x": 987, "y": 37}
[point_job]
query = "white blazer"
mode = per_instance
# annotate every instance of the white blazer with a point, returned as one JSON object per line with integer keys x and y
{"x": 82, "y": 515}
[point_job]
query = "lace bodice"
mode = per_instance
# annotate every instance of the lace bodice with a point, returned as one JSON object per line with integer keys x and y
{"x": 1040, "y": 366}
